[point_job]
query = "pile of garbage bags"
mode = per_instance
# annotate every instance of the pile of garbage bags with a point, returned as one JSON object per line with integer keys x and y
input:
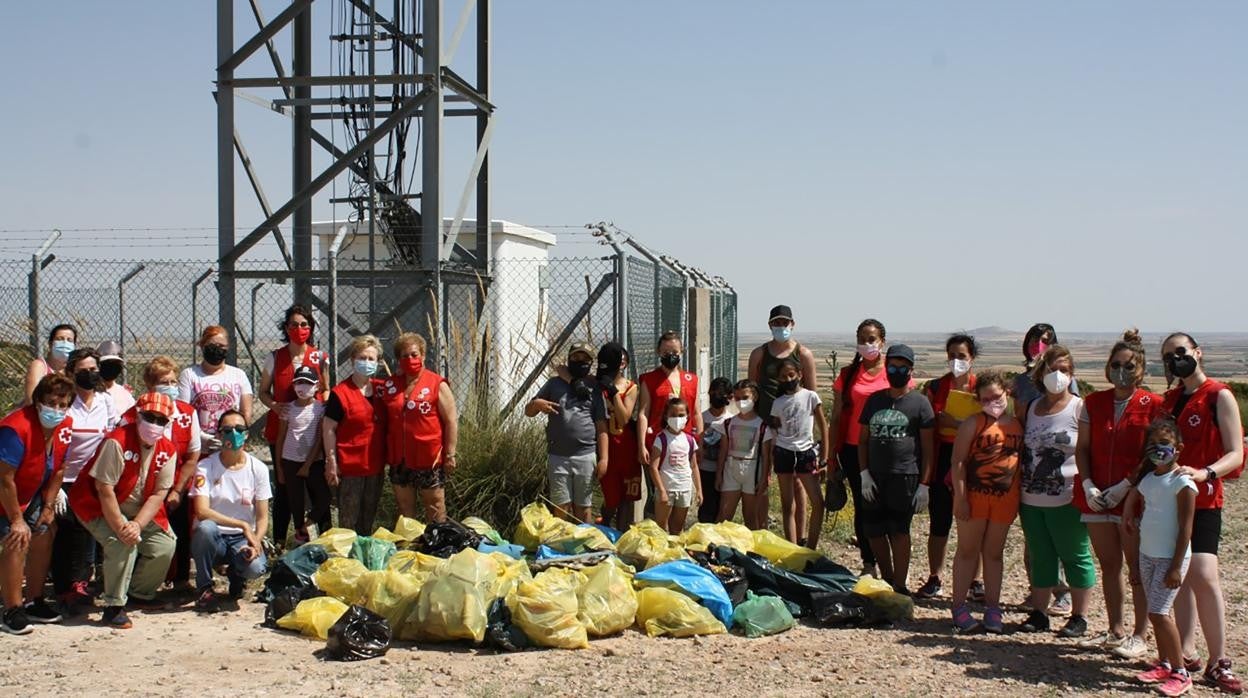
{"x": 558, "y": 585}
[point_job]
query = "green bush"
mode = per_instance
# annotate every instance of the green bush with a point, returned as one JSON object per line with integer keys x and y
{"x": 502, "y": 467}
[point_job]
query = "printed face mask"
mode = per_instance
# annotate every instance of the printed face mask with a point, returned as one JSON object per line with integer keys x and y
{"x": 870, "y": 352}
{"x": 365, "y": 367}
{"x": 782, "y": 333}
{"x": 995, "y": 408}
{"x": 215, "y": 354}
{"x": 1056, "y": 382}
{"x": 305, "y": 390}
{"x": 1160, "y": 454}
{"x": 50, "y": 417}
{"x": 677, "y": 423}
{"x": 959, "y": 367}
{"x": 1121, "y": 377}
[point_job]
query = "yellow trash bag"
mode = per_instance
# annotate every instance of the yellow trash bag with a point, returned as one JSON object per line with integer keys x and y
{"x": 641, "y": 542}
{"x": 673, "y": 552}
{"x": 895, "y": 606}
{"x": 414, "y": 564}
{"x": 383, "y": 533}
{"x": 782, "y": 553}
{"x": 340, "y": 578}
{"x": 545, "y": 609}
{"x": 478, "y": 525}
{"x": 389, "y": 594}
{"x": 314, "y": 617}
{"x": 537, "y": 525}
{"x": 575, "y": 540}
{"x": 729, "y": 533}
{"x": 665, "y": 612}
{"x": 336, "y": 541}
{"x": 408, "y": 529}
{"x": 454, "y": 602}
{"x": 511, "y": 573}
{"x": 607, "y": 600}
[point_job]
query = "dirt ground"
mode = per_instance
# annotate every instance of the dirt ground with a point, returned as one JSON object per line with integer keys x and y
{"x": 179, "y": 653}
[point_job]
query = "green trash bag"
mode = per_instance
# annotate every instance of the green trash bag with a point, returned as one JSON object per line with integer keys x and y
{"x": 373, "y": 552}
{"x": 758, "y": 616}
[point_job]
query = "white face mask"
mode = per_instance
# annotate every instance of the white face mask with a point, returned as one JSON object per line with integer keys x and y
{"x": 1056, "y": 382}
{"x": 959, "y": 367}
{"x": 745, "y": 405}
{"x": 677, "y": 423}
{"x": 870, "y": 352}
{"x": 996, "y": 408}
{"x": 305, "y": 390}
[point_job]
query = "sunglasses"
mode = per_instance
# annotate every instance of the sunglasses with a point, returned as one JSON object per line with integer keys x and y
{"x": 1130, "y": 366}
{"x": 232, "y": 430}
{"x": 896, "y": 370}
{"x": 1181, "y": 351}
{"x": 155, "y": 418}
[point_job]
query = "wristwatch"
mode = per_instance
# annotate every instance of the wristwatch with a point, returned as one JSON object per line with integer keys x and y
{"x": 1210, "y": 473}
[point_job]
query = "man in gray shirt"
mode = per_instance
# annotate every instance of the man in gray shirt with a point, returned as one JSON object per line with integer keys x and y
{"x": 576, "y": 433}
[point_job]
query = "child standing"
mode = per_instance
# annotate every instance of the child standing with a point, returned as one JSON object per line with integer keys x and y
{"x": 794, "y": 456}
{"x": 720, "y": 394}
{"x": 1165, "y": 531}
{"x": 303, "y": 463}
{"x": 740, "y": 476}
{"x": 673, "y": 464}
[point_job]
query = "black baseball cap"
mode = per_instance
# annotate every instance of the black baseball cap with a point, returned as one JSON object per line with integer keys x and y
{"x": 306, "y": 374}
{"x": 610, "y": 358}
{"x": 900, "y": 351}
{"x": 781, "y": 312}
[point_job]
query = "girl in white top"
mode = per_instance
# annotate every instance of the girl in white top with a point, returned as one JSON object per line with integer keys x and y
{"x": 794, "y": 455}
{"x": 673, "y": 469}
{"x": 302, "y": 454}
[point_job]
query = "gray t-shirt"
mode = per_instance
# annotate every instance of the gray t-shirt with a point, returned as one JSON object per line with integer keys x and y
{"x": 571, "y": 432}
{"x": 893, "y": 426}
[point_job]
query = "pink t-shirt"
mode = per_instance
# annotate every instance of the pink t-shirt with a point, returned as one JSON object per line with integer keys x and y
{"x": 865, "y": 385}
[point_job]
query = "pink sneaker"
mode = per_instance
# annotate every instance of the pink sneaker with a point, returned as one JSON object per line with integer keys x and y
{"x": 1180, "y": 682}
{"x": 1157, "y": 674}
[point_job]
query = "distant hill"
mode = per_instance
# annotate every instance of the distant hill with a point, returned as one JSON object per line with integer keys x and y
{"x": 992, "y": 332}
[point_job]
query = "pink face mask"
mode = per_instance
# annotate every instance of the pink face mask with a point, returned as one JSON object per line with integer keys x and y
{"x": 1037, "y": 348}
{"x": 150, "y": 433}
{"x": 996, "y": 408}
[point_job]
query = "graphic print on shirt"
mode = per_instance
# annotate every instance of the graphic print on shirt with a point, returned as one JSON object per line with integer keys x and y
{"x": 991, "y": 462}
{"x": 889, "y": 425}
{"x": 1043, "y": 474}
{"x": 212, "y": 400}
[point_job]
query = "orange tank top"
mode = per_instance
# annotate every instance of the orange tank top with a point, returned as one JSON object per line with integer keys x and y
{"x": 993, "y": 458}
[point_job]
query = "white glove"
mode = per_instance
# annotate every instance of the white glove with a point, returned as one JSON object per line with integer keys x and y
{"x": 868, "y": 486}
{"x": 208, "y": 442}
{"x": 921, "y": 497}
{"x": 61, "y": 506}
{"x": 1113, "y": 496}
{"x": 1093, "y": 495}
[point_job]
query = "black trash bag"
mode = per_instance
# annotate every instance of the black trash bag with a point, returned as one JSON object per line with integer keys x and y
{"x": 295, "y": 569}
{"x": 445, "y": 538}
{"x": 847, "y": 610}
{"x": 835, "y": 497}
{"x": 500, "y": 633}
{"x": 286, "y": 600}
{"x": 358, "y": 634}
{"x": 796, "y": 588}
{"x": 730, "y": 575}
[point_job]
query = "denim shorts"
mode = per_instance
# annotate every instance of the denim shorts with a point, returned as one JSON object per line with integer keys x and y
{"x": 31, "y": 515}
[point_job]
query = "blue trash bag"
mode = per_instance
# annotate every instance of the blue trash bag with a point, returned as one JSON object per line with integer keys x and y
{"x": 545, "y": 552}
{"x": 611, "y": 534}
{"x": 694, "y": 580}
{"x": 509, "y": 549}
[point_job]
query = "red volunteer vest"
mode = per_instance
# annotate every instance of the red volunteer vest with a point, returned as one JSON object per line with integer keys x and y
{"x": 85, "y": 501}
{"x": 1202, "y": 440}
{"x": 1117, "y": 449}
{"x": 660, "y": 388}
{"x": 938, "y": 395}
{"x": 29, "y": 476}
{"x": 413, "y": 427}
{"x": 180, "y": 433}
{"x": 361, "y": 433}
{"x": 283, "y": 382}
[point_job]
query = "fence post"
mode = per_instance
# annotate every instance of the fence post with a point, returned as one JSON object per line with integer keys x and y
{"x": 37, "y": 263}
{"x": 121, "y": 303}
{"x": 255, "y": 377}
{"x": 195, "y": 311}
{"x": 333, "y": 299}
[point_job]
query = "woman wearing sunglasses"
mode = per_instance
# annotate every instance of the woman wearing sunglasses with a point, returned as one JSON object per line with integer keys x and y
{"x": 277, "y": 389}
{"x": 1213, "y": 448}
{"x": 1112, "y": 430}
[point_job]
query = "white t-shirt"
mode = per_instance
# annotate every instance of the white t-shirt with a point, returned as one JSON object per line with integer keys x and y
{"x": 742, "y": 436}
{"x": 91, "y": 425}
{"x": 1049, "y": 455}
{"x": 211, "y": 395}
{"x": 712, "y": 435}
{"x": 797, "y": 419}
{"x": 674, "y": 468}
{"x": 232, "y": 493}
{"x": 1159, "y": 526}
{"x": 301, "y": 428}
{"x": 123, "y": 399}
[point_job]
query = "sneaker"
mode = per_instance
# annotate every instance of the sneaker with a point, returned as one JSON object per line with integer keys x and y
{"x": 40, "y": 611}
{"x": 1177, "y": 684}
{"x": 1159, "y": 673}
{"x": 207, "y": 601}
{"x": 1219, "y": 674}
{"x": 930, "y": 589}
{"x": 1133, "y": 647}
{"x": 963, "y": 622}
{"x": 1036, "y": 622}
{"x": 977, "y": 591}
{"x": 78, "y": 595}
{"x": 1192, "y": 664}
{"x": 1061, "y": 604}
{"x": 15, "y": 622}
{"x": 1076, "y": 626}
{"x": 115, "y": 617}
{"x": 993, "y": 622}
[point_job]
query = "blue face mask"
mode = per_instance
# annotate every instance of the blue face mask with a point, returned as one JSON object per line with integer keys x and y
{"x": 50, "y": 417}
{"x": 782, "y": 333}
{"x": 169, "y": 390}
{"x": 365, "y": 367}
{"x": 1160, "y": 454}
{"x": 62, "y": 348}
{"x": 233, "y": 440}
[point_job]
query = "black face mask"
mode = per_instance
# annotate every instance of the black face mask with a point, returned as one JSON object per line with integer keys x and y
{"x": 111, "y": 371}
{"x": 719, "y": 401}
{"x": 87, "y": 379}
{"x": 787, "y": 387}
{"x": 670, "y": 360}
{"x": 579, "y": 369}
{"x": 215, "y": 354}
{"x": 1182, "y": 366}
{"x": 900, "y": 379}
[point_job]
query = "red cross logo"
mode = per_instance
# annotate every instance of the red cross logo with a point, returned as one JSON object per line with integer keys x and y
{"x": 183, "y": 420}
{"x": 1194, "y": 420}
{"x": 64, "y": 436}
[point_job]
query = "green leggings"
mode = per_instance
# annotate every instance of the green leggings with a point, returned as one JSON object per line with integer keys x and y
{"x": 1056, "y": 534}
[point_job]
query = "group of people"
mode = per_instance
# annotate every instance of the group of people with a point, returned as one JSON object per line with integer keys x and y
{"x": 114, "y": 491}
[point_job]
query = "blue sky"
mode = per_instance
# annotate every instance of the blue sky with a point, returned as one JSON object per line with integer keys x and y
{"x": 938, "y": 165}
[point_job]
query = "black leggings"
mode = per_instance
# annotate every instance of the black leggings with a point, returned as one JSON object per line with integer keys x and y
{"x": 849, "y": 461}
{"x": 180, "y": 522}
{"x": 940, "y": 497}
{"x": 316, "y": 489}
{"x": 708, "y": 511}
